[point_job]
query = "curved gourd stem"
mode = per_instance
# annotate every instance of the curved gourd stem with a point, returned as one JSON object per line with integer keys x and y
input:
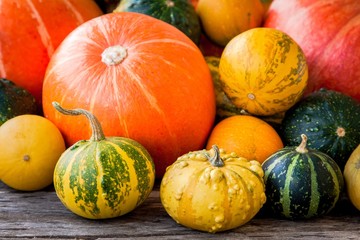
{"x": 302, "y": 147}
{"x": 216, "y": 160}
{"x": 96, "y": 129}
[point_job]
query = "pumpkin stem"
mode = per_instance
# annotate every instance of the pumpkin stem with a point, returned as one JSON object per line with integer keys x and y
{"x": 340, "y": 131}
{"x": 96, "y": 129}
{"x": 216, "y": 160}
{"x": 302, "y": 147}
{"x": 113, "y": 55}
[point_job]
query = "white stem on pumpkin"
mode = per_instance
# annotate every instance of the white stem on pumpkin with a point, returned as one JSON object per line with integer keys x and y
{"x": 96, "y": 129}
{"x": 302, "y": 147}
{"x": 113, "y": 55}
{"x": 340, "y": 131}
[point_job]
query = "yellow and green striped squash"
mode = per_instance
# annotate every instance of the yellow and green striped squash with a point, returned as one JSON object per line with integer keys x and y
{"x": 301, "y": 183}
{"x": 103, "y": 177}
{"x": 263, "y": 71}
{"x": 224, "y": 106}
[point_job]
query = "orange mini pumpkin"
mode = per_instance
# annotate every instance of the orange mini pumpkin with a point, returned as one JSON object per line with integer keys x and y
{"x": 248, "y": 136}
{"x": 142, "y": 77}
{"x": 30, "y": 33}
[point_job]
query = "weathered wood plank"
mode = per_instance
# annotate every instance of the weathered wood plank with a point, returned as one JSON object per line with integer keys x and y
{"x": 28, "y": 215}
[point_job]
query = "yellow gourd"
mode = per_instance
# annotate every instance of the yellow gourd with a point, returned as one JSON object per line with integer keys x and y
{"x": 263, "y": 71}
{"x": 30, "y": 146}
{"x": 212, "y": 191}
{"x": 352, "y": 177}
{"x": 224, "y": 19}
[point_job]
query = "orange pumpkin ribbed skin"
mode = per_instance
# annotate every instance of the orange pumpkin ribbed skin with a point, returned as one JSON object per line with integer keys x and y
{"x": 160, "y": 95}
{"x": 30, "y": 31}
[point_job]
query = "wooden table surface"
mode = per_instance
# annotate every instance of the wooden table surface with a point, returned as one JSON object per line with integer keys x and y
{"x": 41, "y": 215}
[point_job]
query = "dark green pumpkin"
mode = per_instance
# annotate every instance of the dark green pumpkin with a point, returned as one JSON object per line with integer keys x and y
{"x": 179, "y": 13}
{"x": 330, "y": 119}
{"x": 14, "y": 101}
{"x": 301, "y": 183}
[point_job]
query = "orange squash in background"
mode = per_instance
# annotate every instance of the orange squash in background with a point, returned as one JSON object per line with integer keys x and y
{"x": 30, "y": 31}
{"x": 142, "y": 77}
{"x": 224, "y": 19}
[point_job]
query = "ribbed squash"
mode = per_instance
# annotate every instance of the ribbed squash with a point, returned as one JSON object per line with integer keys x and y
{"x": 179, "y": 13}
{"x": 330, "y": 119}
{"x": 213, "y": 191}
{"x": 352, "y": 177}
{"x": 143, "y": 78}
{"x": 103, "y": 177}
{"x": 301, "y": 183}
{"x": 31, "y": 31}
{"x": 263, "y": 71}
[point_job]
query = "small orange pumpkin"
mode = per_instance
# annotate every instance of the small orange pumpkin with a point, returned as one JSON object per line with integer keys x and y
{"x": 248, "y": 136}
{"x": 31, "y": 31}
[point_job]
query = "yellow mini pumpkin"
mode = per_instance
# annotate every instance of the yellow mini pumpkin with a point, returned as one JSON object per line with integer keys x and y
{"x": 213, "y": 191}
{"x": 352, "y": 177}
{"x": 30, "y": 146}
{"x": 263, "y": 71}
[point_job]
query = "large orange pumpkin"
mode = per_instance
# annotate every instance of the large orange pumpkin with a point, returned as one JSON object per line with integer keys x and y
{"x": 31, "y": 30}
{"x": 142, "y": 77}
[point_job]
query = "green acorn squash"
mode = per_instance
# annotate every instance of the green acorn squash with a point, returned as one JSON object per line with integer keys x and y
{"x": 14, "y": 101}
{"x": 179, "y": 13}
{"x": 330, "y": 119}
{"x": 301, "y": 183}
{"x": 103, "y": 177}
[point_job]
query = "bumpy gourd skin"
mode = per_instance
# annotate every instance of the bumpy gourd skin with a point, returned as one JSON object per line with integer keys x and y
{"x": 14, "y": 101}
{"x": 212, "y": 196}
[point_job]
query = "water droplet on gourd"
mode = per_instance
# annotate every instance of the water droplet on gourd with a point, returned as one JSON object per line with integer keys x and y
{"x": 307, "y": 118}
{"x": 315, "y": 129}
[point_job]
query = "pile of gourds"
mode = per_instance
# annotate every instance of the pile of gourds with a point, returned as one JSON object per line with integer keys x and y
{"x": 151, "y": 86}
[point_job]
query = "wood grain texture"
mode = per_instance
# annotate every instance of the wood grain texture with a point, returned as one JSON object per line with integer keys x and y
{"x": 40, "y": 214}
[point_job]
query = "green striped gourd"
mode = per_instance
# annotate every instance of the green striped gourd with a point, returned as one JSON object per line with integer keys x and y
{"x": 301, "y": 183}
{"x": 103, "y": 177}
{"x": 330, "y": 119}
